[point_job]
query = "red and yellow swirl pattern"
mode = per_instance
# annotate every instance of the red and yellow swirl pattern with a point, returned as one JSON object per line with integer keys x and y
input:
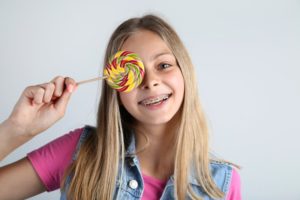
{"x": 124, "y": 71}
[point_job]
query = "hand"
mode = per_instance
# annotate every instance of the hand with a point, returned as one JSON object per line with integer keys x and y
{"x": 40, "y": 106}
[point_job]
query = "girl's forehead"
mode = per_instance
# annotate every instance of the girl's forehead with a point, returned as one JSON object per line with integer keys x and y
{"x": 146, "y": 44}
{"x": 142, "y": 37}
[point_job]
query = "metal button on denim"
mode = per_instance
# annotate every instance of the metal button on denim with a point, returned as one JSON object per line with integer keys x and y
{"x": 133, "y": 184}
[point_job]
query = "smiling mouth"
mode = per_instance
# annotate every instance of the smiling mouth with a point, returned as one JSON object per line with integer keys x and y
{"x": 156, "y": 100}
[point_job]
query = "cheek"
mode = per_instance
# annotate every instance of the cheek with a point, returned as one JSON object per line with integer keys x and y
{"x": 177, "y": 81}
{"x": 127, "y": 99}
{"x": 124, "y": 98}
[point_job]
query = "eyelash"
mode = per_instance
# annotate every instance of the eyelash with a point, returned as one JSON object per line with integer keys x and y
{"x": 162, "y": 64}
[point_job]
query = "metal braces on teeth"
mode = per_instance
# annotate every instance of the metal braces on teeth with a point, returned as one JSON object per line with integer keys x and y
{"x": 158, "y": 99}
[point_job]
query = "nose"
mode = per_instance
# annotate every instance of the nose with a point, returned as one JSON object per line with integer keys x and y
{"x": 150, "y": 80}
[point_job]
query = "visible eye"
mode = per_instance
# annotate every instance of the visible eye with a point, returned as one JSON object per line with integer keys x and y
{"x": 164, "y": 66}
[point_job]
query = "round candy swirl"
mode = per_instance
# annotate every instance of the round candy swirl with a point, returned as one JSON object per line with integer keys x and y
{"x": 124, "y": 71}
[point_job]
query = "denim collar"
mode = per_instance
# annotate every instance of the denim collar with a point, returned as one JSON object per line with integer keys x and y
{"x": 130, "y": 153}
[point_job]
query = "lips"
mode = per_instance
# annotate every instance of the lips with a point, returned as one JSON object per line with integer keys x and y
{"x": 155, "y": 100}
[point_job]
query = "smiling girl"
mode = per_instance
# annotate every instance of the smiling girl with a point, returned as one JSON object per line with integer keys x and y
{"x": 150, "y": 143}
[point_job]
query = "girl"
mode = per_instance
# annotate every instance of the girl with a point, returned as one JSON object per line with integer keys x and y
{"x": 150, "y": 143}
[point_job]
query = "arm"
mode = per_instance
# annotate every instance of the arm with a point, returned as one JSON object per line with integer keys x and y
{"x": 38, "y": 108}
{"x": 9, "y": 138}
{"x": 19, "y": 181}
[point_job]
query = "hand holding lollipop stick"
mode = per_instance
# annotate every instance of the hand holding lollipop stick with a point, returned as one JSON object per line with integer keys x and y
{"x": 124, "y": 72}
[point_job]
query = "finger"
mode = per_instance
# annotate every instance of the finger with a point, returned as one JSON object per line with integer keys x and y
{"x": 59, "y": 85}
{"x": 49, "y": 90}
{"x": 70, "y": 84}
{"x": 62, "y": 102}
{"x": 35, "y": 94}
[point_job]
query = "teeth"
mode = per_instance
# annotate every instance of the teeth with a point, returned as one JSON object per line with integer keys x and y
{"x": 155, "y": 100}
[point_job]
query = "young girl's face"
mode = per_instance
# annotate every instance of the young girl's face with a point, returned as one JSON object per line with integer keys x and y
{"x": 160, "y": 95}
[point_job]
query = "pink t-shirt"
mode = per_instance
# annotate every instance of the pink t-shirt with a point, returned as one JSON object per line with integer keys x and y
{"x": 51, "y": 160}
{"x": 234, "y": 192}
{"x": 153, "y": 187}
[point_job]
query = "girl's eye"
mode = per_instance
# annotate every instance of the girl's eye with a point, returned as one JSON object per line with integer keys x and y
{"x": 164, "y": 66}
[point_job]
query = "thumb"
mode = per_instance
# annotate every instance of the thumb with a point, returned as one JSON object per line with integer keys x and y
{"x": 62, "y": 102}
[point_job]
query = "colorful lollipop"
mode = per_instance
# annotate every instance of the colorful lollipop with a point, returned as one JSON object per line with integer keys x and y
{"x": 124, "y": 71}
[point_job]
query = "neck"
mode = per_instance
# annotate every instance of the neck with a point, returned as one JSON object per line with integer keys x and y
{"x": 157, "y": 159}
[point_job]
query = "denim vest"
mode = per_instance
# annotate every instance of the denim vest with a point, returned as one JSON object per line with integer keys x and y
{"x": 131, "y": 185}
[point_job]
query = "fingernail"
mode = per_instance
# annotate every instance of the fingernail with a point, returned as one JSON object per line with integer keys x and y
{"x": 70, "y": 88}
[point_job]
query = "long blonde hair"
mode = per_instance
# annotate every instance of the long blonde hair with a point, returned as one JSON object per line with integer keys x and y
{"x": 94, "y": 172}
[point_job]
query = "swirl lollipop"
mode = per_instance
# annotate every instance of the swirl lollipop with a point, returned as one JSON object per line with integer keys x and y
{"x": 124, "y": 71}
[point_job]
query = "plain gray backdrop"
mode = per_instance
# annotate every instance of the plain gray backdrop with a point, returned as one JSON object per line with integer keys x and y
{"x": 247, "y": 60}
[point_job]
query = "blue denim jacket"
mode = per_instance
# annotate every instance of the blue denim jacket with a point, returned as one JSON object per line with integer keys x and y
{"x": 131, "y": 187}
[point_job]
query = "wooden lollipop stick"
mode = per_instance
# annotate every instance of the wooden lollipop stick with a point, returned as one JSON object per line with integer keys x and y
{"x": 91, "y": 80}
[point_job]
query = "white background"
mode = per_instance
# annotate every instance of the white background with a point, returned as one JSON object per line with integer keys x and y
{"x": 247, "y": 57}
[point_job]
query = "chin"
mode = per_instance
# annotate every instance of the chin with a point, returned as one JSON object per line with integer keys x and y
{"x": 156, "y": 120}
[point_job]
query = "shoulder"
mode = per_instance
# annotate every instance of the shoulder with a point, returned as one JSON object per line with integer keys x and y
{"x": 221, "y": 167}
{"x": 225, "y": 175}
{"x": 61, "y": 144}
{"x": 50, "y": 160}
{"x": 234, "y": 192}
{"x": 86, "y": 132}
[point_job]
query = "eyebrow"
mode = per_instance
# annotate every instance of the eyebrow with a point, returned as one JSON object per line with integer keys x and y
{"x": 160, "y": 54}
